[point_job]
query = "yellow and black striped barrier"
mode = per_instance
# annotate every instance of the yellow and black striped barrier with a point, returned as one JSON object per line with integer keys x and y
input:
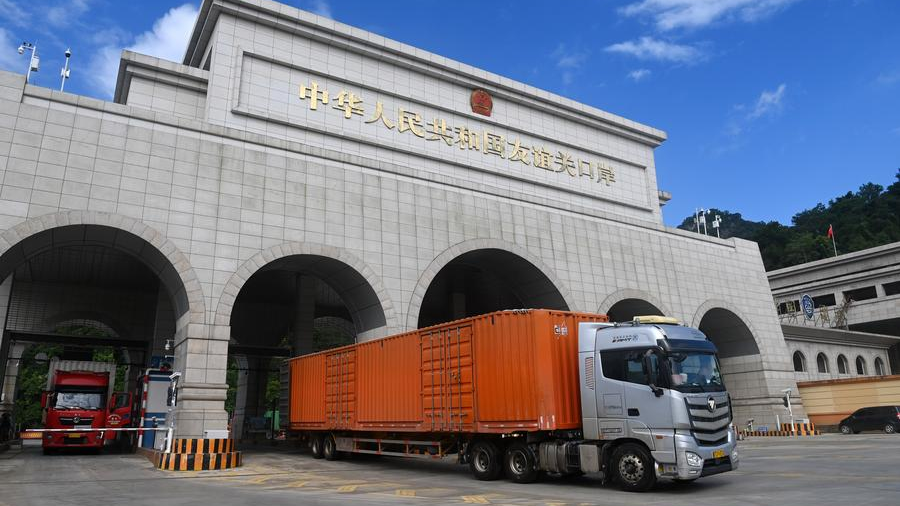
{"x": 198, "y": 461}
{"x": 203, "y": 446}
{"x": 800, "y": 429}
{"x": 198, "y": 454}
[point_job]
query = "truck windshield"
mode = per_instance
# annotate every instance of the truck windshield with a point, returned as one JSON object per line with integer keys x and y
{"x": 79, "y": 400}
{"x": 695, "y": 372}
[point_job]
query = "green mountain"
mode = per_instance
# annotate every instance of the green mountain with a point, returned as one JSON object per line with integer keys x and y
{"x": 863, "y": 219}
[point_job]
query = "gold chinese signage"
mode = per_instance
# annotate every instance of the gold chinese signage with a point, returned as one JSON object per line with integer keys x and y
{"x": 460, "y": 136}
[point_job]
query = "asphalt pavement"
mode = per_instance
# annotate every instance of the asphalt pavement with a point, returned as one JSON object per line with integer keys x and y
{"x": 858, "y": 470}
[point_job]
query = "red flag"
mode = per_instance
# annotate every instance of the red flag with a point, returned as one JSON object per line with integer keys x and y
{"x": 830, "y": 231}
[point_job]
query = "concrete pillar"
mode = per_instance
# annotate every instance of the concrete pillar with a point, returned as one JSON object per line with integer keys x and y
{"x": 201, "y": 355}
{"x": 240, "y": 398}
{"x": 6, "y": 401}
{"x": 304, "y": 315}
{"x": 250, "y": 398}
{"x": 11, "y": 375}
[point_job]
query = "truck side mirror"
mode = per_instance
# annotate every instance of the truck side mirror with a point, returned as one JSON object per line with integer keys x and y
{"x": 649, "y": 369}
{"x": 44, "y": 395}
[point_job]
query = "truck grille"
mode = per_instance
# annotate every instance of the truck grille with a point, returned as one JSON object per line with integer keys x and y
{"x": 709, "y": 427}
{"x": 70, "y": 420}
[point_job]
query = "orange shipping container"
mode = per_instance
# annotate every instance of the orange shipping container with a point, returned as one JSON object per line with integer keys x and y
{"x": 495, "y": 373}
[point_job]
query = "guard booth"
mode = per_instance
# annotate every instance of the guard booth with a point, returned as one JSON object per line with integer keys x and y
{"x": 154, "y": 408}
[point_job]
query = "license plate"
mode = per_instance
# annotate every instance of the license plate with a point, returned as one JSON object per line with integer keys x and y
{"x": 83, "y": 427}
{"x": 74, "y": 435}
{"x": 718, "y": 454}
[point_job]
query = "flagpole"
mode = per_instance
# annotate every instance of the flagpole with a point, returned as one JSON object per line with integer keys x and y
{"x": 833, "y": 244}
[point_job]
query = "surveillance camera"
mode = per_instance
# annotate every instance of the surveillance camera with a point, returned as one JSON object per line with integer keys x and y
{"x": 174, "y": 376}
{"x": 68, "y": 53}
{"x": 21, "y": 50}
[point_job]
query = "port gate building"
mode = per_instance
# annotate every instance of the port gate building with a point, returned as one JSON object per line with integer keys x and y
{"x": 294, "y": 182}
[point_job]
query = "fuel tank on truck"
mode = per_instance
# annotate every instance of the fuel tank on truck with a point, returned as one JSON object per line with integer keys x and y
{"x": 500, "y": 372}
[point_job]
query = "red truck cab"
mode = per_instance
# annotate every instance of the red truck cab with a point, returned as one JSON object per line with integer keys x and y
{"x": 76, "y": 400}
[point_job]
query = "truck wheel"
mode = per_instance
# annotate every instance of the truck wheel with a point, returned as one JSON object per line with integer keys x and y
{"x": 633, "y": 468}
{"x": 315, "y": 446}
{"x": 329, "y": 448}
{"x": 484, "y": 460}
{"x": 520, "y": 463}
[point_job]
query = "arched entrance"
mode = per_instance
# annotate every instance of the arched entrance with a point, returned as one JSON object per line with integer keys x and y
{"x": 626, "y": 309}
{"x": 741, "y": 363}
{"x": 485, "y": 280}
{"x": 293, "y": 305}
{"x": 91, "y": 290}
{"x": 729, "y": 333}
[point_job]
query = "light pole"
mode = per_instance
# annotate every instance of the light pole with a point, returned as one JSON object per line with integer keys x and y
{"x": 64, "y": 73}
{"x": 34, "y": 63}
{"x": 716, "y": 222}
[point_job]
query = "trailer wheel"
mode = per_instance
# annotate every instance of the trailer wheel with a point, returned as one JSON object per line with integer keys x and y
{"x": 315, "y": 446}
{"x": 329, "y": 448}
{"x": 520, "y": 463}
{"x": 633, "y": 467}
{"x": 484, "y": 460}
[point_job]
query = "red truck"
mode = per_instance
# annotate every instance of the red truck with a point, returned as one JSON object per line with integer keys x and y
{"x": 79, "y": 400}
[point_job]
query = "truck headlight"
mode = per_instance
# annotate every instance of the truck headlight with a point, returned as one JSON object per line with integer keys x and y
{"x": 693, "y": 459}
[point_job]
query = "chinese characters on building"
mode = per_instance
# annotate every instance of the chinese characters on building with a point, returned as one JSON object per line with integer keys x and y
{"x": 464, "y": 138}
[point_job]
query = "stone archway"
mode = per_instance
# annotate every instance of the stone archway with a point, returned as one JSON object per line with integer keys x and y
{"x": 352, "y": 279}
{"x": 480, "y": 276}
{"x": 63, "y": 241}
{"x": 624, "y": 305}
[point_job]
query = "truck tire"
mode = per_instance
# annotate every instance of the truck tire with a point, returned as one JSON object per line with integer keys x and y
{"x": 634, "y": 468}
{"x": 329, "y": 448}
{"x": 315, "y": 446}
{"x": 520, "y": 463}
{"x": 485, "y": 460}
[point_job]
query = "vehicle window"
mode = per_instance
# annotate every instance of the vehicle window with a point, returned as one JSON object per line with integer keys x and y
{"x": 627, "y": 365}
{"x": 865, "y": 412}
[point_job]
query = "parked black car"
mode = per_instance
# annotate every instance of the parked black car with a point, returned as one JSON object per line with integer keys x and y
{"x": 886, "y": 418}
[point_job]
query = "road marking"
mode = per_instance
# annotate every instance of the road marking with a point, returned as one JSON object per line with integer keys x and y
{"x": 260, "y": 480}
{"x": 405, "y": 492}
{"x": 347, "y": 488}
{"x": 555, "y": 503}
{"x": 475, "y": 499}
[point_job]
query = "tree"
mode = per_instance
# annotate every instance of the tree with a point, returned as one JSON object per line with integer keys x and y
{"x": 863, "y": 219}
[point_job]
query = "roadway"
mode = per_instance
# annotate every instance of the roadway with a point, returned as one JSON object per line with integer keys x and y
{"x": 859, "y": 470}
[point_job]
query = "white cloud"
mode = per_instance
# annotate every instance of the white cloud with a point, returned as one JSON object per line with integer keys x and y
{"x": 11, "y": 13}
{"x": 674, "y": 14}
{"x": 639, "y": 74}
{"x": 167, "y": 39}
{"x": 648, "y": 48}
{"x": 570, "y": 62}
{"x": 321, "y": 8}
{"x": 67, "y": 11}
{"x": 769, "y": 102}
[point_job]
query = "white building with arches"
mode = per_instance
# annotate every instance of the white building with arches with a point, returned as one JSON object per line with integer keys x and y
{"x": 294, "y": 179}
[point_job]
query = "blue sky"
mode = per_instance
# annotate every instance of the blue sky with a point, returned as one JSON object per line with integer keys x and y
{"x": 771, "y": 106}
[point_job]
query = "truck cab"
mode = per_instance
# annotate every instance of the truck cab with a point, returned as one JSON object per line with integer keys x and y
{"x": 77, "y": 402}
{"x": 652, "y": 391}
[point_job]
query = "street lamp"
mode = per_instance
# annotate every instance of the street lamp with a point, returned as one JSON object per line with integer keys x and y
{"x": 35, "y": 62}
{"x": 64, "y": 73}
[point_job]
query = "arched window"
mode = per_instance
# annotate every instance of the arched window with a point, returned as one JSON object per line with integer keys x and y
{"x": 799, "y": 362}
{"x": 879, "y": 367}
{"x": 822, "y": 362}
{"x": 843, "y": 365}
{"x": 860, "y": 366}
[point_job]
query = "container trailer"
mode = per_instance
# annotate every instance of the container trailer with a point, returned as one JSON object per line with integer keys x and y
{"x": 525, "y": 392}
